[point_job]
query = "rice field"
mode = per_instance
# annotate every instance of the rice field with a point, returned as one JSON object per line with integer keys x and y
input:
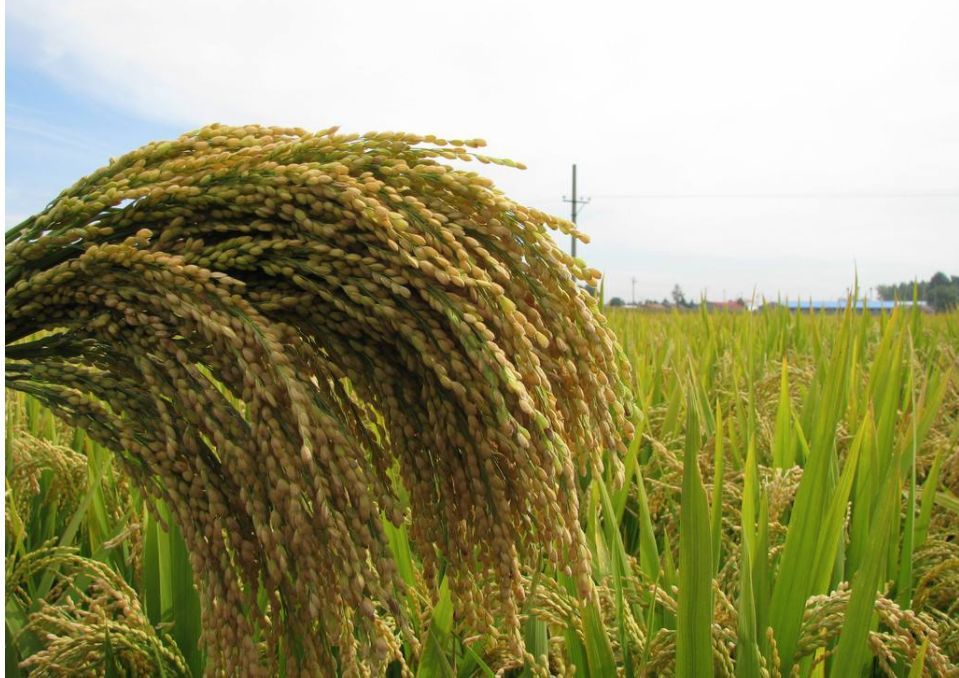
{"x": 788, "y": 505}
{"x": 322, "y": 403}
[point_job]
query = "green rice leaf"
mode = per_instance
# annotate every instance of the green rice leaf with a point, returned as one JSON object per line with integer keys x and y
{"x": 694, "y": 655}
{"x": 434, "y": 663}
{"x": 852, "y": 651}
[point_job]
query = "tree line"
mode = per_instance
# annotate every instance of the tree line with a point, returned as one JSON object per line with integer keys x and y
{"x": 941, "y": 291}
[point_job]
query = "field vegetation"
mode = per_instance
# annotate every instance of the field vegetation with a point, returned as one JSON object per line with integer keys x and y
{"x": 790, "y": 505}
{"x": 308, "y": 403}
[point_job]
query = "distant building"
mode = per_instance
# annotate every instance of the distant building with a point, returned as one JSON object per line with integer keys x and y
{"x": 839, "y": 306}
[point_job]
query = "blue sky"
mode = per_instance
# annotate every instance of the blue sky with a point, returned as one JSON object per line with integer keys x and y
{"x": 728, "y": 147}
{"x": 54, "y": 136}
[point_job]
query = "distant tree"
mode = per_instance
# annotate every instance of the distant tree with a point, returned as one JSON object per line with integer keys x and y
{"x": 678, "y": 297}
{"x": 944, "y": 298}
{"x": 941, "y": 291}
{"x": 616, "y": 301}
{"x": 902, "y": 291}
{"x": 939, "y": 279}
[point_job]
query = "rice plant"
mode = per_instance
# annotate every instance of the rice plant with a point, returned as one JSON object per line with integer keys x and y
{"x": 290, "y": 403}
{"x": 281, "y": 333}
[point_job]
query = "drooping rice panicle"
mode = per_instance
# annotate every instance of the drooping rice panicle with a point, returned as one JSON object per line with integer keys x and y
{"x": 267, "y": 322}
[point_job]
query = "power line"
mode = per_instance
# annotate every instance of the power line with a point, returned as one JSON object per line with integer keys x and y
{"x": 759, "y": 196}
{"x": 780, "y": 196}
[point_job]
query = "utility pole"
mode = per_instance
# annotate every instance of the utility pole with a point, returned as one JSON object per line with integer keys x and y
{"x": 634, "y": 290}
{"x": 575, "y": 207}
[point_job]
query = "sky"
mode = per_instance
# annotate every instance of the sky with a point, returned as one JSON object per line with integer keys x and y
{"x": 735, "y": 148}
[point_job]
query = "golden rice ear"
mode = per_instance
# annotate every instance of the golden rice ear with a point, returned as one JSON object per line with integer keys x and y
{"x": 274, "y": 328}
{"x": 91, "y": 602}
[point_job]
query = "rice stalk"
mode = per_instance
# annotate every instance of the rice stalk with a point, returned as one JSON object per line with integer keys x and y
{"x": 270, "y": 326}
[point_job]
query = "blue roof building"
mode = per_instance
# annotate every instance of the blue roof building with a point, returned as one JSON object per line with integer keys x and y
{"x": 839, "y": 305}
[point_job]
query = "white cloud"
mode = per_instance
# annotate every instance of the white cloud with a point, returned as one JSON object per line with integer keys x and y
{"x": 676, "y": 98}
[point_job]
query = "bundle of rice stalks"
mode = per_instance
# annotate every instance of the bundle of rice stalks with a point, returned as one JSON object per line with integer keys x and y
{"x": 89, "y": 619}
{"x": 29, "y": 457}
{"x": 284, "y": 334}
{"x": 897, "y": 640}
